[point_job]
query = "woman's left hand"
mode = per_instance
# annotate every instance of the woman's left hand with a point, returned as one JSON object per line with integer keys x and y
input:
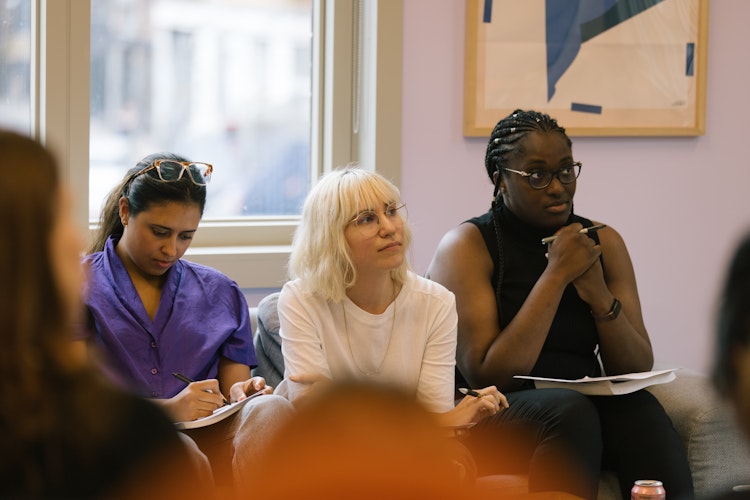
{"x": 309, "y": 386}
{"x": 591, "y": 284}
{"x": 241, "y": 390}
{"x": 497, "y": 396}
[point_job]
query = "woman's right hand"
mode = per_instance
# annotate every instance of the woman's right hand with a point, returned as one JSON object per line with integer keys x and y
{"x": 472, "y": 409}
{"x": 197, "y": 400}
{"x": 572, "y": 253}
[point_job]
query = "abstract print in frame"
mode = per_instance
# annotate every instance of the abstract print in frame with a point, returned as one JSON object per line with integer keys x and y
{"x": 601, "y": 67}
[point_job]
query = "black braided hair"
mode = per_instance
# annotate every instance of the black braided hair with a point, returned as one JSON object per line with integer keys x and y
{"x": 504, "y": 142}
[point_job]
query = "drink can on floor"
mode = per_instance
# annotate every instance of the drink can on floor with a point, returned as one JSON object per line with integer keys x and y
{"x": 647, "y": 489}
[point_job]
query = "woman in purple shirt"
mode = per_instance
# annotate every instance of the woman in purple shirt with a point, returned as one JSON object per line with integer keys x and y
{"x": 152, "y": 314}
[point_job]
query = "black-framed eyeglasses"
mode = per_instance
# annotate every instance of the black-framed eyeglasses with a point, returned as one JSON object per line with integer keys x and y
{"x": 540, "y": 179}
{"x": 172, "y": 170}
{"x": 368, "y": 221}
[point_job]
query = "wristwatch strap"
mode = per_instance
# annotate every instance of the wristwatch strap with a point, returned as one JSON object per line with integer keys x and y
{"x": 614, "y": 311}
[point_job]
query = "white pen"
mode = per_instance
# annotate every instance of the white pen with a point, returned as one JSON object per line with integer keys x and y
{"x": 469, "y": 392}
{"x": 585, "y": 230}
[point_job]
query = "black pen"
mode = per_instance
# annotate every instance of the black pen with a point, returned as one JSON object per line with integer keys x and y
{"x": 470, "y": 392}
{"x": 188, "y": 380}
{"x": 585, "y": 230}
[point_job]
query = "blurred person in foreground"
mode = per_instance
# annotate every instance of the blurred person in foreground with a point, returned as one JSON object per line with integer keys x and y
{"x": 365, "y": 440}
{"x": 731, "y": 372}
{"x": 67, "y": 433}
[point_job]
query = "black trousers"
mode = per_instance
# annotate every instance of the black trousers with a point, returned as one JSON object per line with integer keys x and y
{"x": 562, "y": 440}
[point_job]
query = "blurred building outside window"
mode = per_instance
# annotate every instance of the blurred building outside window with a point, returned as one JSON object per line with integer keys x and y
{"x": 227, "y": 82}
{"x": 15, "y": 65}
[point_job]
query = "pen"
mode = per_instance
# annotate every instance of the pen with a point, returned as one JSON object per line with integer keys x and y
{"x": 188, "y": 380}
{"x": 585, "y": 230}
{"x": 469, "y": 392}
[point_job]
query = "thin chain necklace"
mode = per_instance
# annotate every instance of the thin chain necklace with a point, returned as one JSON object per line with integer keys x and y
{"x": 387, "y": 347}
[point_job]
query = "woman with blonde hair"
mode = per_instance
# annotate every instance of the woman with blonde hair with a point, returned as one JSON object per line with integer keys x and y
{"x": 354, "y": 310}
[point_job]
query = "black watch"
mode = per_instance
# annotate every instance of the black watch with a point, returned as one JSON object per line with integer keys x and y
{"x": 614, "y": 311}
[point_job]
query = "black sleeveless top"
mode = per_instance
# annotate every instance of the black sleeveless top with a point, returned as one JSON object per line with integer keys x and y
{"x": 568, "y": 352}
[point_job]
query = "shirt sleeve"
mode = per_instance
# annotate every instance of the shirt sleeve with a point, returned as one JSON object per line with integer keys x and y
{"x": 302, "y": 347}
{"x": 239, "y": 345}
{"x": 436, "y": 382}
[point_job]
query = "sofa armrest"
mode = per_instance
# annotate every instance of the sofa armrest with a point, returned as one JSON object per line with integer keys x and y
{"x": 716, "y": 449}
{"x": 267, "y": 341}
{"x": 253, "y": 313}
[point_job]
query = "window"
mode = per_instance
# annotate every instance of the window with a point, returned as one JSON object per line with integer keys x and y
{"x": 224, "y": 82}
{"x": 15, "y": 65}
{"x": 74, "y": 111}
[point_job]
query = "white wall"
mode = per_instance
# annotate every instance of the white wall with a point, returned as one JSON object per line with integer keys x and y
{"x": 680, "y": 203}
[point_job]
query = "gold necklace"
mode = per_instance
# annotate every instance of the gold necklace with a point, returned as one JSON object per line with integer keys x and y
{"x": 387, "y": 347}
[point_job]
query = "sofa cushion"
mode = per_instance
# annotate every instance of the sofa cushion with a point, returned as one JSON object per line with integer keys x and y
{"x": 267, "y": 342}
{"x": 716, "y": 450}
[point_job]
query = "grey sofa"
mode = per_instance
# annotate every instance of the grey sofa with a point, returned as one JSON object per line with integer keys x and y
{"x": 718, "y": 454}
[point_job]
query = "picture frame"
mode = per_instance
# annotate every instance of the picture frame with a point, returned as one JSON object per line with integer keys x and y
{"x": 628, "y": 69}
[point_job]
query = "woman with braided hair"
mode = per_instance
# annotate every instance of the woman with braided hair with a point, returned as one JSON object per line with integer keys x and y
{"x": 561, "y": 310}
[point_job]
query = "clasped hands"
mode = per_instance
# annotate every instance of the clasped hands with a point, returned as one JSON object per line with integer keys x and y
{"x": 576, "y": 257}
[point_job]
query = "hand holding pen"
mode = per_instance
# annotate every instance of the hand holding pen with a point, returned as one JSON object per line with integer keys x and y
{"x": 549, "y": 239}
{"x": 188, "y": 381}
{"x": 489, "y": 393}
{"x": 585, "y": 230}
{"x": 470, "y": 392}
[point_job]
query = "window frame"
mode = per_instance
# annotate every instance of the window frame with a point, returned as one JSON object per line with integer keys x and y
{"x": 358, "y": 60}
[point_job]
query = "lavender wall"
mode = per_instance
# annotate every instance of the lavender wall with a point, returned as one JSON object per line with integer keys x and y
{"x": 680, "y": 203}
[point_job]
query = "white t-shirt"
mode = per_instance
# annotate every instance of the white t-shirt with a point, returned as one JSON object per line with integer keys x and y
{"x": 412, "y": 344}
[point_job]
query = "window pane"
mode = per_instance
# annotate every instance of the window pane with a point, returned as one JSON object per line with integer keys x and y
{"x": 227, "y": 82}
{"x": 15, "y": 65}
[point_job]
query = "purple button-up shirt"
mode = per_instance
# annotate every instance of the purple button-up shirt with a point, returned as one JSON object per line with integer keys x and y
{"x": 202, "y": 315}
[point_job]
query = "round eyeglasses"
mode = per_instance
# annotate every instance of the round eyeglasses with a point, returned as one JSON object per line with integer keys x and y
{"x": 172, "y": 170}
{"x": 368, "y": 221}
{"x": 540, "y": 179}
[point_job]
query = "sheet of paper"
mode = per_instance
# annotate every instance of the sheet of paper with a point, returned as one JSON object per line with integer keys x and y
{"x": 606, "y": 386}
{"x": 218, "y": 415}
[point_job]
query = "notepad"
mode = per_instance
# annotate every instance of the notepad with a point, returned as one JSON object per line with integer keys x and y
{"x": 606, "y": 386}
{"x": 218, "y": 415}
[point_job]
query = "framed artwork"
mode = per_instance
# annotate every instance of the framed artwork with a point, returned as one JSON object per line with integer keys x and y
{"x": 600, "y": 67}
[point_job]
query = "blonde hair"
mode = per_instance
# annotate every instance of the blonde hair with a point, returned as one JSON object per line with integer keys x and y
{"x": 321, "y": 257}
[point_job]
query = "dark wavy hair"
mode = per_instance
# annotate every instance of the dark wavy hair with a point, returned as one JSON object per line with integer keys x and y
{"x": 142, "y": 192}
